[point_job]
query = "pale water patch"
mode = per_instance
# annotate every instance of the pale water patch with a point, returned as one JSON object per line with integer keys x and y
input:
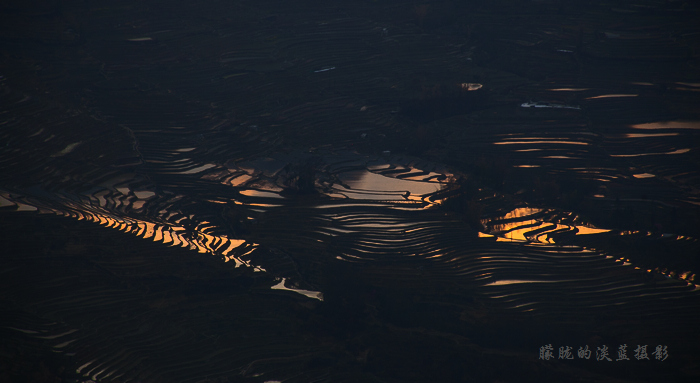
{"x": 198, "y": 169}
{"x": 541, "y": 142}
{"x": 307, "y": 293}
{"x": 69, "y": 148}
{"x": 471, "y": 86}
{"x": 144, "y": 194}
{"x": 364, "y": 184}
{"x": 4, "y": 202}
{"x": 568, "y": 89}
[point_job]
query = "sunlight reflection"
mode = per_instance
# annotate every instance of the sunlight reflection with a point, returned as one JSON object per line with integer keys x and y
{"x": 364, "y": 184}
{"x": 541, "y": 142}
{"x": 525, "y": 224}
{"x": 168, "y": 234}
{"x": 678, "y": 151}
{"x": 260, "y": 193}
{"x": 641, "y": 135}
{"x": 516, "y": 281}
{"x": 668, "y": 125}
{"x": 612, "y": 96}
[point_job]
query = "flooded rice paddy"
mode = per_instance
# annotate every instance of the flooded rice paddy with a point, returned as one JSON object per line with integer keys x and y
{"x": 334, "y": 192}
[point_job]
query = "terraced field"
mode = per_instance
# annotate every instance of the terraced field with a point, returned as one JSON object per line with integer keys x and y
{"x": 342, "y": 192}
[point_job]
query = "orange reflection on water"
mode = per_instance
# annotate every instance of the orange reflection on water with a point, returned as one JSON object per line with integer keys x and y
{"x": 668, "y": 125}
{"x": 541, "y": 142}
{"x": 522, "y": 212}
{"x": 522, "y": 230}
{"x": 260, "y": 193}
{"x": 678, "y": 151}
{"x": 590, "y": 230}
{"x": 612, "y": 96}
{"x": 171, "y": 235}
{"x": 641, "y": 135}
{"x": 516, "y": 281}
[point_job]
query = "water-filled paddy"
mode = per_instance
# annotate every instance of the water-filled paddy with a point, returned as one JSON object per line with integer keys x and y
{"x": 391, "y": 192}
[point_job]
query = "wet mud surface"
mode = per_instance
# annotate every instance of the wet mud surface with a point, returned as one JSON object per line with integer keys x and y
{"x": 347, "y": 191}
